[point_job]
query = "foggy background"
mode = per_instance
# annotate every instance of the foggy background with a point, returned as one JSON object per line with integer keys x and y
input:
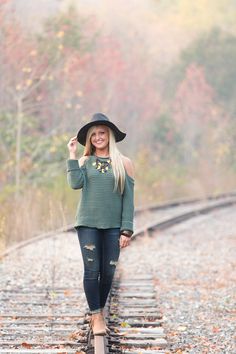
{"x": 163, "y": 71}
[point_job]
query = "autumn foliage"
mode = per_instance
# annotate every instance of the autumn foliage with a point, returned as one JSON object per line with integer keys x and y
{"x": 51, "y": 83}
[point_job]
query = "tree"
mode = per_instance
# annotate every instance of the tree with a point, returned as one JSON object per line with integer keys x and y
{"x": 192, "y": 109}
{"x": 21, "y": 74}
{"x": 166, "y": 138}
{"x": 216, "y": 53}
{"x": 36, "y": 83}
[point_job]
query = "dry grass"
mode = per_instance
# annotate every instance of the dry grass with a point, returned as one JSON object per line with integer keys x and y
{"x": 32, "y": 213}
{"x": 41, "y": 210}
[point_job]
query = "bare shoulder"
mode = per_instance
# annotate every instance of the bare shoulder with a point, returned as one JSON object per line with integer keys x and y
{"x": 82, "y": 160}
{"x": 129, "y": 166}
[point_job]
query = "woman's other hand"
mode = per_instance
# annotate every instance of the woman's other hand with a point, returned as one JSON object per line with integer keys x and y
{"x": 124, "y": 241}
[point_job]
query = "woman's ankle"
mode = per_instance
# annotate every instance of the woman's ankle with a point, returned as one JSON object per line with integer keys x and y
{"x": 94, "y": 312}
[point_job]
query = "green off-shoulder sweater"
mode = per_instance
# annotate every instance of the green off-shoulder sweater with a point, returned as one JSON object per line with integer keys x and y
{"x": 99, "y": 206}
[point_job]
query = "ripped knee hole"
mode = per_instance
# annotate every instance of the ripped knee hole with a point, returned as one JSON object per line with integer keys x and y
{"x": 90, "y": 247}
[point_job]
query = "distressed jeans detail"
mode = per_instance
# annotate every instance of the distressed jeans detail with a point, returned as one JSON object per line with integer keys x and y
{"x": 100, "y": 249}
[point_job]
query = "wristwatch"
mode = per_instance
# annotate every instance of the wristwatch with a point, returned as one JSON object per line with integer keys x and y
{"x": 127, "y": 233}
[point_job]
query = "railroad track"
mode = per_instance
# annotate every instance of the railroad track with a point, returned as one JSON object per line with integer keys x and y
{"x": 132, "y": 308}
{"x": 135, "y": 319}
{"x": 168, "y": 209}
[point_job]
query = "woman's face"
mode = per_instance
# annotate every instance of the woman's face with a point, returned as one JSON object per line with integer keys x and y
{"x": 100, "y": 137}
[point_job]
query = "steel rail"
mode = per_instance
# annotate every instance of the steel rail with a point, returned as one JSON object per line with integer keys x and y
{"x": 102, "y": 344}
{"x": 155, "y": 339}
{"x": 138, "y": 211}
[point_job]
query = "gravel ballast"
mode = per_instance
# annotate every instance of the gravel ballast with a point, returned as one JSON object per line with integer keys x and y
{"x": 194, "y": 268}
{"x": 193, "y": 264}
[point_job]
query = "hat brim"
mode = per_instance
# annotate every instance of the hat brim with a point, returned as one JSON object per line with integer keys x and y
{"x": 82, "y": 133}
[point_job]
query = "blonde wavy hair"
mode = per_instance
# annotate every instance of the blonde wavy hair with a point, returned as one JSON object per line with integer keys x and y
{"x": 115, "y": 155}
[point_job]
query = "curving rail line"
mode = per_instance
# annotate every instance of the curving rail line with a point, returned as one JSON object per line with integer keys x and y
{"x": 132, "y": 299}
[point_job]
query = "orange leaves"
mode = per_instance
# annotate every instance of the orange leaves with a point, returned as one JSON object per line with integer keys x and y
{"x": 28, "y": 82}
{"x": 67, "y": 292}
{"x": 215, "y": 329}
{"x": 26, "y": 345}
{"x": 79, "y": 93}
{"x": 74, "y": 335}
{"x": 26, "y": 70}
{"x": 60, "y": 34}
{"x": 194, "y": 94}
{"x": 33, "y": 53}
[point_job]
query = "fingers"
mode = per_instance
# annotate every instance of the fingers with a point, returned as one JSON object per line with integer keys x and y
{"x": 72, "y": 141}
{"x": 124, "y": 241}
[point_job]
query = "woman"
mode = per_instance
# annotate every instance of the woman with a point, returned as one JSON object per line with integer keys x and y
{"x": 104, "y": 218}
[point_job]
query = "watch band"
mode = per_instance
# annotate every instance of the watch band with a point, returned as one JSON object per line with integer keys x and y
{"x": 127, "y": 233}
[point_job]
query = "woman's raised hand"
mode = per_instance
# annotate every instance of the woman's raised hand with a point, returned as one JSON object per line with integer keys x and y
{"x": 72, "y": 145}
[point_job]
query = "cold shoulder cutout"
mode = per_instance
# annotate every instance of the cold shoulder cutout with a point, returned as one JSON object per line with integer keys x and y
{"x": 100, "y": 206}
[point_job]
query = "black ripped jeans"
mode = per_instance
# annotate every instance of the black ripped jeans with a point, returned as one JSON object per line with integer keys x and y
{"x": 100, "y": 250}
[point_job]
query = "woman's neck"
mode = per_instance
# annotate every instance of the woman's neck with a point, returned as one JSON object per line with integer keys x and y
{"x": 101, "y": 153}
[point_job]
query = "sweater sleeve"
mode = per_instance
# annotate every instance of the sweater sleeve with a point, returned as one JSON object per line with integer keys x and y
{"x": 128, "y": 205}
{"x": 75, "y": 174}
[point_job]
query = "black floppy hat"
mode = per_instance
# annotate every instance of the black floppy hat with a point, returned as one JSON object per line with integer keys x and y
{"x": 97, "y": 119}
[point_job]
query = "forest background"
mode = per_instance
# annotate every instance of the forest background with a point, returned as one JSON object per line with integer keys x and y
{"x": 164, "y": 71}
